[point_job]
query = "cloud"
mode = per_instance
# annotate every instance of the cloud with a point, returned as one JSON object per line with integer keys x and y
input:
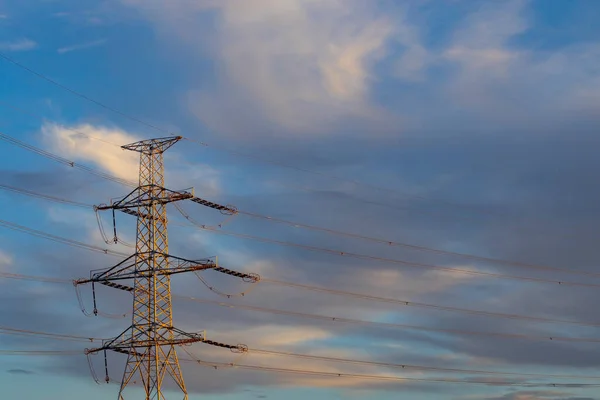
{"x": 273, "y": 335}
{"x": 340, "y": 273}
{"x": 18, "y": 371}
{"x": 541, "y": 191}
{"x": 5, "y": 259}
{"x": 18, "y": 45}
{"x": 100, "y": 146}
{"x": 481, "y": 41}
{"x": 529, "y": 395}
{"x": 81, "y": 46}
{"x": 415, "y": 58}
{"x": 96, "y": 149}
{"x": 294, "y": 65}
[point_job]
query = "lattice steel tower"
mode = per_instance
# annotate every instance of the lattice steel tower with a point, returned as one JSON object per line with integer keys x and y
{"x": 150, "y": 341}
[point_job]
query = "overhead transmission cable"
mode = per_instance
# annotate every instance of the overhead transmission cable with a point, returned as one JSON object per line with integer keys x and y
{"x": 328, "y": 374}
{"x": 306, "y": 189}
{"x": 416, "y": 304}
{"x": 353, "y": 321}
{"x": 277, "y": 353}
{"x": 59, "y": 239}
{"x": 8, "y": 275}
{"x": 327, "y": 230}
{"x": 278, "y": 220}
{"x": 27, "y": 332}
{"x": 62, "y": 126}
{"x": 334, "y": 177}
{"x": 295, "y": 355}
{"x": 204, "y": 144}
{"x": 44, "y": 196}
{"x": 393, "y": 260}
{"x": 389, "y": 260}
{"x": 40, "y": 352}
{"x": 412, "y": 246}
{"x": 86, "y": 246}
{"x": 64, "y": 161}
{"x": 78, "y": 94}
{"x": 412, "y": 367}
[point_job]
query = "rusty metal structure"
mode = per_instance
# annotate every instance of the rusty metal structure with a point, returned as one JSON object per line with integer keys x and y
{"x": 150, "y": 341}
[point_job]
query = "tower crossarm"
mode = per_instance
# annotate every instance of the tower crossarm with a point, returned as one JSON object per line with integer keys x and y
{"x": 147, "y": 195}
{"x": 152, "y": 146}
{"x": 236, "y": 348}
{"x": 227, "y": 210}
{"x": 129, "y": 343}
{"x": 130, "y": 268}
{"x": 246, "y": 277}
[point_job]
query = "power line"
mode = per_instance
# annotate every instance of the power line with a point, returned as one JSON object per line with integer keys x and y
{"x": 383, "y": 259}
{"x": 328, "y": 374}
{"x": 331, "y": 231}
{"x": 47, "y": 335}
{"x": 312, "y": 227}
{"x": 236, "y": 153}
{"x": 81, "y": 95}
{"x": 41, "y": 352}
{"x": 59, "y": 239}
{"x": 381, "y": 324}
{"x": 310, "y": 190}
{"x": 390, "y": 260}
{"x": 40, "y": 116}
{"x": 338, "y": 292}
{"x": 9, "y": 275}
{"x": 413, "y": 367}
{"x": 291, "y": 223}
{"x": 298, "y": 355}
{"x": 64, "y": 161}
{"x": 414, "y": 247}
{"x": 306, "y": 287}
{"x": 331, "y": 176}
{"x": 353, "y": 321}
{"x": 425, "y": 305}
{"x": 44, "y": 196}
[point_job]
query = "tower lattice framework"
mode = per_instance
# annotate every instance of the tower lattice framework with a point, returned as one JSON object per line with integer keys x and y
{"x": 150, "y": 342}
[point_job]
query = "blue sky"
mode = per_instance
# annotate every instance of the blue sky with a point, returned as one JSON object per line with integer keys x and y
{"x": 471, "y": 125}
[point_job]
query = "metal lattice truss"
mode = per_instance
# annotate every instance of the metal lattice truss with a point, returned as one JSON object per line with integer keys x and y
{"x": 131, "y": 267}
{"x": 150, "y": 341}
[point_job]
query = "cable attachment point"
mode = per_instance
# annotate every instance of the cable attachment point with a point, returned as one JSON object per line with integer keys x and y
{"x": 229, "y": 210}
{"x": 240, "y": 349}
{"x": 251, "y": 278}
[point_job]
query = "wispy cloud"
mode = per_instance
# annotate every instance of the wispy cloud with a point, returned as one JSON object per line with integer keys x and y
{"x": 303, "y": 64}
{"x": 101, "y": 153}
{"x": 82, "y": 46}
{"x": 18, "y": 45}
{"x": 19, "y": 371}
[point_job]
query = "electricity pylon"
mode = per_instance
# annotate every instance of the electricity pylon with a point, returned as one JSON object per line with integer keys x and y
{"x": 150, "y": 341}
